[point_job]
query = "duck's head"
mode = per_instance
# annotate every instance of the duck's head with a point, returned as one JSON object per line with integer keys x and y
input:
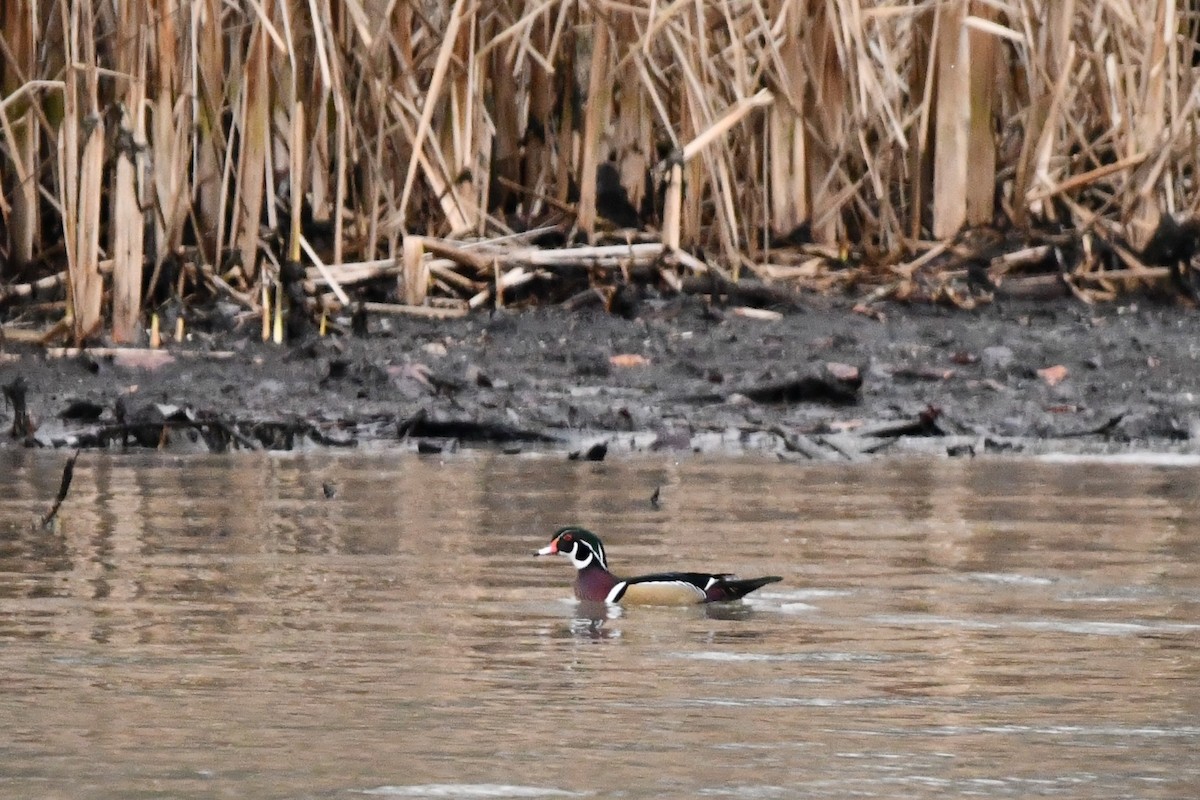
{"x": 583, "y": 547}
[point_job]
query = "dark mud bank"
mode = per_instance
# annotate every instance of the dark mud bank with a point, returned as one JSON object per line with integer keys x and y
{"x": 821, "y": 383}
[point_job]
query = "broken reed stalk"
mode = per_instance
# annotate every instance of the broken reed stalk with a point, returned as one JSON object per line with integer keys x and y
{"x": 129, "y": 227}
{"x": 296, "y": 181}
{"x": 21, "y": 134}
{"x": 1152, "y": 121}
{"x": 277, "y": 328}
{"x": 319, "y": 265}
{"x": 785, "y": 175}
{"x": 982, "y": 45}
{"x": 953, "y": 119}
{"x": 202, "y": 142}
{"x": 169, "y": 197}
{"x": 1049, "y": 134}
{"x": 81, "y": 160}
{"x": 415, "y": 279}
{"x": 893, "y": 121}
{"x": 430, "y": 101}
{"x": 595, "y": 122}
{"x": 672, "y": 214}
{"x": 255, "y": 133}
{"x": 673, "y": 207}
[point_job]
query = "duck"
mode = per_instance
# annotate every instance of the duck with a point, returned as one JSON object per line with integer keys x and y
{"x": 595, "y": 583}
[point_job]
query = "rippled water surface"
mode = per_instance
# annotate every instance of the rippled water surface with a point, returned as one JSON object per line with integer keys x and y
{"x": 219, "y": 628}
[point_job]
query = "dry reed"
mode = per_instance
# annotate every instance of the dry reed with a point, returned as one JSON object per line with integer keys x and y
{"x": 167, "y": 132}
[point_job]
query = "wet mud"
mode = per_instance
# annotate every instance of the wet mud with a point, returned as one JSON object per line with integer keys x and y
{"x": 680, "y": 374}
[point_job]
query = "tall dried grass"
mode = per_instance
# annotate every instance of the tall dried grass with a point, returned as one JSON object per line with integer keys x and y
{"x": 170, "y": 127}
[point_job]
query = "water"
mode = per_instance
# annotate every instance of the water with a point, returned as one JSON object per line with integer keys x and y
{"x": 218, "y": 628}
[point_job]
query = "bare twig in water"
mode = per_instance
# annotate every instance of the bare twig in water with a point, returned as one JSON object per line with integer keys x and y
{"x": 63, "y": 488}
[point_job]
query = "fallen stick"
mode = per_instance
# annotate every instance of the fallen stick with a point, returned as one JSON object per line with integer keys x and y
{"x": 852, "y": 448}
{"x": 25, "y": 335}
{"x": 1145, "y": 273}
{"x": 211, "y": 275}
{"x": 762, "y": 314}
{"x": 804, "y": 445}
{"x": 586, "y": 299}
{"x": 431, "y": 312}
{"x": 908, "y": 269}
{"x": 457, "y": 254}
{"x": 1001, "y": 265}
{"x": 609, "y": 255}
{"x": 744, "y": 292}
{"x": 104, "y": 352}
{"x": 690, "y": 261}
{"x": 442, "y": 268}
{"x": 351, "y": 267}
{"x": 320, "y": 265}
{"x": 55, "y": 281}
{"x": 1034, "y": 287}
{"x": 347, "y": 277}
{"x": 510, "y": 279}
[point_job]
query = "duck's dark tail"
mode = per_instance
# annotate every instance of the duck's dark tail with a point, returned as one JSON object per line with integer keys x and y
{"x": 734, "y": 589}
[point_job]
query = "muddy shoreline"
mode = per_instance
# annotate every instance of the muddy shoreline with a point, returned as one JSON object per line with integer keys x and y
{"x": 682, "y": 375}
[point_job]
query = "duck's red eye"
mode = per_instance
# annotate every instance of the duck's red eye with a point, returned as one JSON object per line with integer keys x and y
{"x": 565, "y": 538}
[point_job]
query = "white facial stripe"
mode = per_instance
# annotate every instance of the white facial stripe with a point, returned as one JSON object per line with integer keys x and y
{"x": 580, "y": 559}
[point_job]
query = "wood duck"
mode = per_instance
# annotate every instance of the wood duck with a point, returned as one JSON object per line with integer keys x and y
{"x": 594, "y": 583}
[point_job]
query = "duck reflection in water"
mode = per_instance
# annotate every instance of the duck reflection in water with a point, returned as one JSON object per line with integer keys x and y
{"x": 589, "y": 618}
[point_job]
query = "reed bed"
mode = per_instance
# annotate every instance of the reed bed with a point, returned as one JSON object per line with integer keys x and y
{"x": 153, "y": 150}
